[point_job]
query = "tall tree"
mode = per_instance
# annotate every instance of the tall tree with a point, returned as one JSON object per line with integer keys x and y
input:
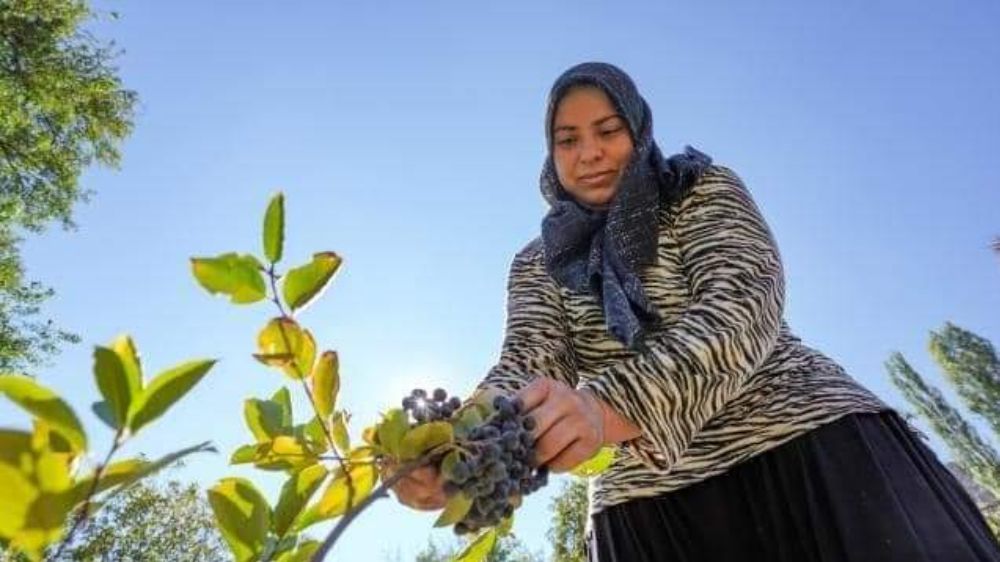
{"x": 62, "y": 108}
{"x": 568, "y": 532}
{"x": 508, "y": 549}
{"x": 970, "y": 451}
{"x": 148, "y": 522}
{"x": 970, "y": 364}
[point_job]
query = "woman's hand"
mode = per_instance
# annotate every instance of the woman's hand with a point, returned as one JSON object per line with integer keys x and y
{"x": 421, "y": 489}
{"x": 569, "y": 424}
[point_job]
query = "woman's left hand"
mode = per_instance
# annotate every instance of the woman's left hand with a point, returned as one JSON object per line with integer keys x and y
{"x": 569, "y": 423}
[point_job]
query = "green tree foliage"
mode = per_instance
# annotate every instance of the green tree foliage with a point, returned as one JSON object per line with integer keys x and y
{"x": 507, "y": 549}
{"x": 151, "y": 523}
{"x": 970, "y": 364}
{"x": 62, "y": 108}
{"x": 568, "y": 532}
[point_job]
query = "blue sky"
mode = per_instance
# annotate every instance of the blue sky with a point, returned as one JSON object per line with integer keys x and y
{"x": 407, "y": 136}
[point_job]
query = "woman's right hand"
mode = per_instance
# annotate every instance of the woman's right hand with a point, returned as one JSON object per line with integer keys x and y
{"x": 421, "y": 489}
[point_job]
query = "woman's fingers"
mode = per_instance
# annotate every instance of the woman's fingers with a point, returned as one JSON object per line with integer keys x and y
{"x": 421, "y": 489}
{"x": 552, "y": 443}
{"x": 571, "y": 456}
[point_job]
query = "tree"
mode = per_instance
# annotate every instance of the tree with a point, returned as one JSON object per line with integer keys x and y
{"x": 149, "y": 522}
{"x": 568, "y": 533}
{"x": 508, "y": 549}
{"x": 62, "y": 108}
{"x": 970, "y": 364}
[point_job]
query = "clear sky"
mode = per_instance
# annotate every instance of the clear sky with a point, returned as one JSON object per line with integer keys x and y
{"x": 407, "y": 137}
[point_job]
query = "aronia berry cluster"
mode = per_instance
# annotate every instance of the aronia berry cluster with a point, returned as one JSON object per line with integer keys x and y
{"x": 495, "y": 466}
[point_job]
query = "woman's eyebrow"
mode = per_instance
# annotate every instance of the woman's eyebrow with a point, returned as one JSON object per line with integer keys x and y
{"x": 596, "y": 123}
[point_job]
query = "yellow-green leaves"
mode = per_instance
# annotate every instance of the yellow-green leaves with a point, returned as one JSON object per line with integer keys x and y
{"x": 338, "y": 430}
{"x": 391, "y": 431}
{"x": 42, "y": 402}
{"x": 347, "y": 489}
{"x": 458, "y": 505}
{"x": 269, "y": 418}
{"x": 243, "y": 516}
{"x": 479, "y": 548}
{"x": 284, "y": 344}
{"x": 295, "y": 494}
{"x": 595, "y": 464}
{"x": 237, "y": 276}
{"x": 305, "y": 283}
{"x": 113, "y": 384}
{"x": 274, "y": 228}
{"x": 326, "y": 382}
{"x": 165, "y": 390}
{"x": 423, "y": 438}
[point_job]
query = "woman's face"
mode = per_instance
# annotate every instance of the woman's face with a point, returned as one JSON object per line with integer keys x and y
{"x": 591, "y": 146}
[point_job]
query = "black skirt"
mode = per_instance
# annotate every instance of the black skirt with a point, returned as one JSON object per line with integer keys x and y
{"x": 862, "y": 488}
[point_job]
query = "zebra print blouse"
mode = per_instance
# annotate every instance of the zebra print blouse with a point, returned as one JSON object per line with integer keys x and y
{"x": 722, "y": 378}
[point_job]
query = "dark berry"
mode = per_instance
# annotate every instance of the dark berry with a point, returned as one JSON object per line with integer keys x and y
{"x": 440, "y": 395}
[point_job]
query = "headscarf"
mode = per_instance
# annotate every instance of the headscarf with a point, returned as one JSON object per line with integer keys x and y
{"x": 601, "y": 251}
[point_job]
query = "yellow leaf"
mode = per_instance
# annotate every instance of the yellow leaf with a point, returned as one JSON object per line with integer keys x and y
{"x": 284, "y": 344}
{"x": 423, "y": 438}
{"x": 347, "y": 490}
{"x": 326, "y": 382}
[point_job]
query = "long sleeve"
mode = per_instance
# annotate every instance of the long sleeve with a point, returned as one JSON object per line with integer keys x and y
{"x": 536, "y": 339}
{"x": 702, "y": 358}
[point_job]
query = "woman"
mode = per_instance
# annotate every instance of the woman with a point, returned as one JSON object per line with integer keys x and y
{"x": 648, "y": 315}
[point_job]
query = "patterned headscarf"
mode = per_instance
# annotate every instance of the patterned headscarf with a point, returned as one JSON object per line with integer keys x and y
{"x": 601, "y": 251}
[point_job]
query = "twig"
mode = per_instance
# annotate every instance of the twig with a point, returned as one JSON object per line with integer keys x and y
{"x": 380, "y": 492}
{"x": 84, "y": 511}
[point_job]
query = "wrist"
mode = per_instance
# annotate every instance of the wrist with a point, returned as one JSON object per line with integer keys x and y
{"x": 614, "y": 428}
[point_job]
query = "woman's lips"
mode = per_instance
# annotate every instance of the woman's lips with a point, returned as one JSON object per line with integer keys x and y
{"x": 596, "y": 179}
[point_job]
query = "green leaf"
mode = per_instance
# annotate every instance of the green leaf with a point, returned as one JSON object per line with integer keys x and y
{"x": 236, "y": 276}
{"x": 304, "y": 284}
{"x": 478, "y": 549}
{"x": 264, "y": 418}
{"x": 13, "y": 444}
{"x": 314, "y": 434}
{"x": 326, "y": 382}
{"x": 109, "y": 372}
{"x": 457, "y": 507}
{"x": 595, "y": 464}
{"x": 341, "y": 438}
{"x": 284, "y": 344}
{"x": 165, "y": 390}
{"x": 18, "y": 496}
{"x": 129, "y": 356}
{"x": 353, "y": 485}
{"x": 283, "y": 398}
{"x": 295, "y": 494}
{"x": 303, "y": 553}
{"x": 124, "y": 473}
{"x": 469, "y": 416}
{"x": 274, "y": 228}
{"x": 244, "y": 454}
{"x": 103, "y": 413}
{"x": 242, "y": 515}
{"x": 284, "y": 453}
{"x": 392, "y": 429}
{"x": 423, "y": 438}
{"x": 42, "y": 402}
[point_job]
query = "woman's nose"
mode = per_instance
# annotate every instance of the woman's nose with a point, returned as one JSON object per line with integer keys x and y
{"x": 590, "y": 150}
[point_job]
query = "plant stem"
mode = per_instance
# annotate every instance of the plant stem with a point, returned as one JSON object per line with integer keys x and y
{"x": 344, "y": 466}
{"x": 380, "y": 492}
{"x": 84, "y": 511}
